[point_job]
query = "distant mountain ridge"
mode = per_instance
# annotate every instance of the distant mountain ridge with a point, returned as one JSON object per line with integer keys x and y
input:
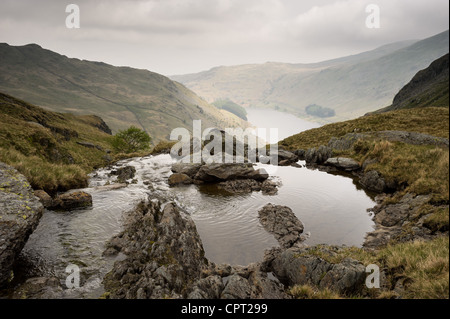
{"x": 429, "y": 87}
{"x": 122, "y": 96}
{"x": 351, "y": 86}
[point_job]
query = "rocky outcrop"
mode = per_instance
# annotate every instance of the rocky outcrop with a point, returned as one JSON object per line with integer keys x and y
{"x": 372, "y": 180}
{"x": 310, "y": 266}
{"x": 20, "y": 212}
{"x": 283, "y": 224}
{"x": 343, "y": 163}
{"x": 71, "y": 201}
{"x": 412, "y": 138}
{"x": 392, "y": 219}
{"x": 345, "y": 142}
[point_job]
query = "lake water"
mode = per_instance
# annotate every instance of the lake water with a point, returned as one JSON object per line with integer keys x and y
{"x": 287, "y": 124}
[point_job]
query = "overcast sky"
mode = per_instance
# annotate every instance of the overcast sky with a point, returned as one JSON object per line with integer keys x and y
{"x": 184, "y": 36}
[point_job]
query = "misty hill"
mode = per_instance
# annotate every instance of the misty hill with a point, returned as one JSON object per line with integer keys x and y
{"x": 351, "y": 86}
{"x": 429, "y": 87}
{"x": 122, "y": 96}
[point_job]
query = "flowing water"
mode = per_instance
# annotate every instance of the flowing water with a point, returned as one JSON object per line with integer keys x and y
{"x": 332, "y": 208}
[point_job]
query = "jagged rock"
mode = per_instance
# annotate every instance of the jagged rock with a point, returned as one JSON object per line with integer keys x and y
{"x": 164, "y": 254}
{"x": 20, "y": 212}
{"x": 413, "y": 138}
{"x": 179, "y": 179}
{"x": 301, "y": 266}
{"x": 44, "y": 198}
{"x": 343, "y": 163}
{"x": 207, "y": 288}
{"x": 124, "y": 173}
{"x": 319, "y": 155}
{"x": 282, "y": 223}
{"x": 70, "y": 201}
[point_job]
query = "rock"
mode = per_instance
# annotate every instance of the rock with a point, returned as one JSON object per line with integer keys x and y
{"x": 372, "y": 180}
{"x": 124, "y": 173}
{"x": 343, "y": 163}
{"x": 164, "y": 254}
{"x": 186, "y": 168}
{"x": 179, "y": 179}
{"x": 86, "y": 144}
{"x": 345, "y": 142}
{"x": 237, "y": 288}
{"x": 283, "y": 157}
{"x": 302, "y": 266}
{"x": 282, "y": 223}
{"x": 229, "y": 171}
{"x": 413, "y": 138}
{"x": 300, "y": 154}
{"x": 240, "y": 186}
{"x": 319, "y": 155}
{"x": 207, "y": 288}
{"x": 269, "y": 187}
{"x": 44, "y": 198}
{"x": 107, "y": 158}
{"x": 39, "y": 288}
{"x": 20, "y": 212}
{"x": 70, "y": 201}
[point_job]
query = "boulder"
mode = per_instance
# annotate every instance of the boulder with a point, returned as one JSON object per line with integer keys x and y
{"x": 372, "y": 180}
{"x": 186, "y": 168}
{"x": 70, "y": 201}
{"x": 179, "y": 179}
{"x": 282, "y": 223}
{"x": 345, "y": 142}
{"x": 343, "y": 163}
{"x": 229, "y": 171}
{"x": 44, "y": 198}
{"x": 20, "y": 212}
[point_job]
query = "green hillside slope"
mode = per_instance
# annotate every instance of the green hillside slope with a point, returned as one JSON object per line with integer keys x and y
{"x": 54, "y": 151}
{"x": 122, "y": 96}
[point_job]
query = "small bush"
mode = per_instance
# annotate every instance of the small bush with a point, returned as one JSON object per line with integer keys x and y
{"x": 131, "y": 140}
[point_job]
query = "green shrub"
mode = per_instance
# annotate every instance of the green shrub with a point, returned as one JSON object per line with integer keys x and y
{"x": 131, "y": 140}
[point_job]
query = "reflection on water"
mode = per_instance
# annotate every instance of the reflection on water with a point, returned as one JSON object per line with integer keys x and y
{"x": 331, "y": 207}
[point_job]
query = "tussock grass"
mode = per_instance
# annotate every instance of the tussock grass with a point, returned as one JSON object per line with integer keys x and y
{"x": 430, "y": 120}
{"x": 309, "y": 292}
{"x": 425, "y": 265}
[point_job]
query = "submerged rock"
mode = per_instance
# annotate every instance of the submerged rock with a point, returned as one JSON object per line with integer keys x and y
{"x": 245, "y": 186}
{"x": 70, "y": 201}
{"x": 20, "y": 212}
{"x": 124, "y": 173}
{"x": 179, "y": 179}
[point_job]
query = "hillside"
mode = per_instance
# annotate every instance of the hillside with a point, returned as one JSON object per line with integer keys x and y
{"x": 122, "y": 96}
{"x": 429, "y": 87}
{"x": 54, "y": 151}
{"x": 351, "y": 86}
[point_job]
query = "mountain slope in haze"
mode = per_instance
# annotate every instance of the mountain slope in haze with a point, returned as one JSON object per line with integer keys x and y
{"x": 429, "y": 87}
{"x": 122, "y": 96}
{"x": 351, "y": 86}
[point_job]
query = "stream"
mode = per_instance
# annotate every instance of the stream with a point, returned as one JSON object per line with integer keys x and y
{"x": 331, "y": 207}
